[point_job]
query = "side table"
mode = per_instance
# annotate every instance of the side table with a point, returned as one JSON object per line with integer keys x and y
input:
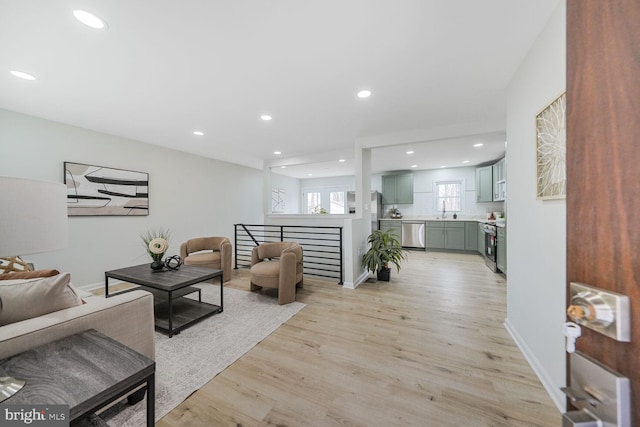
{"x": 86, "y": 371}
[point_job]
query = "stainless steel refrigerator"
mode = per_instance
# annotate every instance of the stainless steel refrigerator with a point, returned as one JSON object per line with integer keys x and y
{"x": 376, "y": 206}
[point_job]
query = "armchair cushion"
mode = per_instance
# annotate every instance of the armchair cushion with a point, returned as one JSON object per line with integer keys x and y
{"x": 266, "y": 273}
{"x": 203, "y": 258}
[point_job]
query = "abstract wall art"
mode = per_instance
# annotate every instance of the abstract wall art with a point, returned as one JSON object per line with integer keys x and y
{"x": 96, "y": 190}
{"x": 277, "y": 200}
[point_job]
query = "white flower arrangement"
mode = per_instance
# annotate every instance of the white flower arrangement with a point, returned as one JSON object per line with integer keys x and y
{"x": 156, "y": 242}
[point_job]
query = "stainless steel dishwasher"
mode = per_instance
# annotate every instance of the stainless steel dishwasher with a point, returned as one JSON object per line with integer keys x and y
{"x": 413, "y": 234}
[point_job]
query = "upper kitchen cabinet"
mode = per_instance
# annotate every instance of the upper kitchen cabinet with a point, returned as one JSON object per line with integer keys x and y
{"x": 499, "y": 182}
{"x": 484, "y": 184}
{"x": 397, "y": 189}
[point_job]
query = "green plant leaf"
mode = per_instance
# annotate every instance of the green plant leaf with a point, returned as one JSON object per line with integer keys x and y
{"x": 384, "y": 249}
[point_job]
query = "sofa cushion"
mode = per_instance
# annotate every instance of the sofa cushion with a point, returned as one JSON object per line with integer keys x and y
{"x": 28, "y": 274}
{"x": 13, "y": 263}
{"x": 27, "y": 298}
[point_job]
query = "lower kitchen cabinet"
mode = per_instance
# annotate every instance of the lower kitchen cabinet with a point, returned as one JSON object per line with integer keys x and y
{"x": 446, "y": 235}
{"x": 392, "y": 224}
{"x": 501, "y": 250}
{"x": 454, "y": 236}
{"x": 481, "y": 241}
{"x": 435, "y": 235}
{"x": 471, "y": 236}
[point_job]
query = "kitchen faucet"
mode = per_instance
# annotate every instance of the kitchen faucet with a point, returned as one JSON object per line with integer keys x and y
{"x": 444, "y": 211}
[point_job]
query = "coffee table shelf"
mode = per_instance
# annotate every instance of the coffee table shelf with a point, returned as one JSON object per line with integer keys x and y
{"x": 159, "y": 296}
{"x": 185, "y": 312}
{"x": 173, "y": 312}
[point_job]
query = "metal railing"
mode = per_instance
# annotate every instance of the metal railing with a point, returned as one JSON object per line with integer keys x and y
{"x": 322, "y": 246}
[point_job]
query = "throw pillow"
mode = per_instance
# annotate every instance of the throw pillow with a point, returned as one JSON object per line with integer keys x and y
{"x": 13, "y": 263}
{"x": 29, "y": 274}
{"x": 27, "y": 298}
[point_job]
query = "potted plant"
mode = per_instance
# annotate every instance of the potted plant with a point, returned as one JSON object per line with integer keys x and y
{"x": 156, "y": 242}
{"x": 384, "y": 249}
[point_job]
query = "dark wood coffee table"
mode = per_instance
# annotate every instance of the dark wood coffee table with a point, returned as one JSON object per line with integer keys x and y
{"x": 172, "y": 311}
{"x": 86, "y": 371}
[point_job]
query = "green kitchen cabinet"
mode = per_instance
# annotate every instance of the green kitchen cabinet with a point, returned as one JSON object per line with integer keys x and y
{"x": 499, "y": 181}
{"x": 446, "y": 235}
{"x": 435, "y": 235}
{"x": 501, "y": 250}
{"x": 471, "y": 236}
{"x": 454, "y": 235}
{"x": 484, "y": 184}
{"x": 397, "y": 189}
{"x": 481, "y": 241}
{"x": 392, "y": 224}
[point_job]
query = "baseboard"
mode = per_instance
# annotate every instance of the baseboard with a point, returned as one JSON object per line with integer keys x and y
{"x": 358, "y": 281}
{"x": 98, "y": 285}
{"x": 552, "y": 389}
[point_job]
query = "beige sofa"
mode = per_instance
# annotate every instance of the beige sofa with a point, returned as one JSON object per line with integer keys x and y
{"x": 127, "y": 318}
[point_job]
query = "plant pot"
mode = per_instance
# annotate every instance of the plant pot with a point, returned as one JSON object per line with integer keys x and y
{"x": 384, "y": 274}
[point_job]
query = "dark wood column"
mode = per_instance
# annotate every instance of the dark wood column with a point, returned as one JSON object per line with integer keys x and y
{"x": 603, "y": 166}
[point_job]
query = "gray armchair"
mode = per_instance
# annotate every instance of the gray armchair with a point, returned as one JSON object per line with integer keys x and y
{"x": 277, "y": 265}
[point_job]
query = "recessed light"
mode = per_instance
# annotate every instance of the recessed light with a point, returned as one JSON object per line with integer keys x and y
{"x": 414, "y": 166}
{"x": 198, "y": 132}
{"x": 364, "y": 94}
{"x": 22, "y": 75}
{"x": 465, "y": 161}
{"x": 443, "y": 166}
{"x": 277, "y": 152}
{"x": 410, "y": 152}
{"x": 283, "y": 167}
{"x": 310, "y": 174}
{"x": 266, "y": 117}
{"x": 478, "y": 145}
{"x": 342, "y": 160}
{"x": 89, "y": 19}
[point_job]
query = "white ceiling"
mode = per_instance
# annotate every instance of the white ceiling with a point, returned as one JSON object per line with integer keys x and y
{"x": 438, "y": 70}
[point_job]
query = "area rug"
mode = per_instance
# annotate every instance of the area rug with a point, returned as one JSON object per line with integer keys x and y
{"x": 187, "y": 361}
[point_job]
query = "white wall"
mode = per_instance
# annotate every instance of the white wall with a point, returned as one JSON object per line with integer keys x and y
{"x": 191, "y": 195}
{"x": 348, "y": 182}
{"x": 536, "y": 239}
{"x": 291, "y": 187}
{"x": 296, "y": 187}
{"x": 353, "y": 238}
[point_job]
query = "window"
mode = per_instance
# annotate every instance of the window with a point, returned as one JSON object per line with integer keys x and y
{"x": 325, "y": 200}
{"x": 314, "y": 203}
{"x": 337, "y": 202}
{"x": 449, "y": 196}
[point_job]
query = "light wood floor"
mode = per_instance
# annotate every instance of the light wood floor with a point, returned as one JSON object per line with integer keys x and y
{"x": 427, "y": 349}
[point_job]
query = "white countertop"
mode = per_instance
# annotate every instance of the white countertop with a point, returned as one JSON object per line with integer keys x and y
{"x": 480, "y": 220}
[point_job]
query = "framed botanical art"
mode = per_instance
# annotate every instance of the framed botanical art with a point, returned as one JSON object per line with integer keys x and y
{"x": 96, "y": 190}
{"x": 551, "y": 150}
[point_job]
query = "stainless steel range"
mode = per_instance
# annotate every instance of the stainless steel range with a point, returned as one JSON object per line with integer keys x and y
{"x": 490, "y": 246}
